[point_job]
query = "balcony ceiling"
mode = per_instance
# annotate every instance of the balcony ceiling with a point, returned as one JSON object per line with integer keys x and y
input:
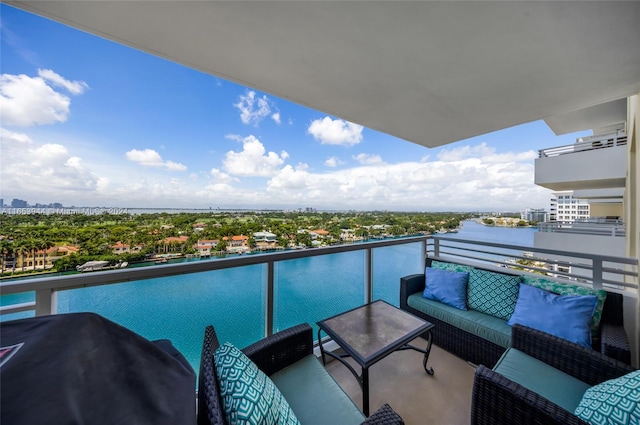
{"x": 427, "y": 72}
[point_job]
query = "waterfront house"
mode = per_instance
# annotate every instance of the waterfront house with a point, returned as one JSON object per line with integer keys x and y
{"x": 431, "y": 73}
{"x": 237, "y": 244}
{"x": 265, "y": 240}
{"x": 205, "y": 246}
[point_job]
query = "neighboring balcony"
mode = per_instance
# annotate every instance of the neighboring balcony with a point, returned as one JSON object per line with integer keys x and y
{"x": 593, "y": 235}
{"x": 597, "y": 162}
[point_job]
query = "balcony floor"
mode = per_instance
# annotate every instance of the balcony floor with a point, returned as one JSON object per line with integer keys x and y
{"x": 400, "y": 380}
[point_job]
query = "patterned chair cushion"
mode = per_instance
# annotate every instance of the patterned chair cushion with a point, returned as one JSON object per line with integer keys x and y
{"x": 568, "y": 289}
{"x": 493, "y": 293}
{"x": 248, "y": 395}
{"x": 616, "y": 401}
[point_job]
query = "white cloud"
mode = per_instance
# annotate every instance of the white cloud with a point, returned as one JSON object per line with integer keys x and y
{"x": 368, "y": 159}
{"x": 151, "y": 158}
{"x": 253, "y": 108}
{"x": 27, "y": 101}
{"x": 218, "y": 177}
{"x": 494, "y": 182}
{"x": 333, "y": 162}
{"x": 43, "y": 170}
{"x": 253, "y": 161}
{"x": 73, "y": 87}
{"x": 335, "y": 132}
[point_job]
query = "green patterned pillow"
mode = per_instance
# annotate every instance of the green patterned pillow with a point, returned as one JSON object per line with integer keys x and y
{"x": 493, "y": 293}
{"x": 616, "y": 401}
{"x": 248, "y": 395}
{"x": 568, "y": 289}
{"x": 452, "y": 267}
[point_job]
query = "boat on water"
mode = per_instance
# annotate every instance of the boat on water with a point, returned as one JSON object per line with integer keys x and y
{"x": 95, "y": 265}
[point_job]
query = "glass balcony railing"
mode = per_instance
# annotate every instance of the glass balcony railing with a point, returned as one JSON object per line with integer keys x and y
{"x": 250, "y": 296}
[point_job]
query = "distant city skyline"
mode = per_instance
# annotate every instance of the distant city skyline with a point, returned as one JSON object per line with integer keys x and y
{"x": 86, "y": 121}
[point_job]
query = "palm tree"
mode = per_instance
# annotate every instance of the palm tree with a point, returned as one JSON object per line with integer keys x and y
{"x": 45, "y": 245}
{"x": 6, "y": 249}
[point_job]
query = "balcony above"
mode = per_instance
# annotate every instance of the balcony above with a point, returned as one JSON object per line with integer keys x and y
{"x": 597, "y": 162}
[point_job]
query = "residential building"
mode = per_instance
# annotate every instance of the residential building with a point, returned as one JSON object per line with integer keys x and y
{"x": 237, "y": 244}
{"x": 265, "y": 240}
{"x": 566, "y": 208}
{"x": 206, "y": 246}
{"x": 537, "y": 215}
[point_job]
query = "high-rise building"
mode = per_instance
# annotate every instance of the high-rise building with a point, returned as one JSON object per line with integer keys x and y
{"x": 19, "y": 203}
{"x": 566, "y": 208}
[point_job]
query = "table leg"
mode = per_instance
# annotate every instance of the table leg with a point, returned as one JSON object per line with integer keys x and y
{"x": 365, "y": 391}
{"x": 324, "y": 363}
{"x": 426, "y": 355}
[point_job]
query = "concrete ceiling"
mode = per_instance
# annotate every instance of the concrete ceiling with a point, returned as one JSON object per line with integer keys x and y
{"x": 425, "y": 71}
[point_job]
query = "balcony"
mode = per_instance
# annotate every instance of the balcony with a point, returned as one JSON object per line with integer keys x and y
{"x": 592, "y": 235}
{"x": 268, "y": 292}
{"x": 597, "y": 162}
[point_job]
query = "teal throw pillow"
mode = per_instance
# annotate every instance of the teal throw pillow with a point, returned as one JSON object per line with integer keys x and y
{"x": 249, "y": 397}
{"x": 447, "y": 287}
{"x": 565, "y": 316}
{"x": 568, "y": 289}
{"x": 443, "y": 265}
{"x": 492, "y": 293}
{"x": 614, "y": 402}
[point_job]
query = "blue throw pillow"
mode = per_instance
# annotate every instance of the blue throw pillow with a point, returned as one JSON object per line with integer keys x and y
{"x": 616, "y": 401}
{"x": 446, "y": 286}
{"x": 565, "y": 316}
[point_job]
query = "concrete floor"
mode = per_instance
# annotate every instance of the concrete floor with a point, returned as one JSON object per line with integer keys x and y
{"x": 400, "y": 380}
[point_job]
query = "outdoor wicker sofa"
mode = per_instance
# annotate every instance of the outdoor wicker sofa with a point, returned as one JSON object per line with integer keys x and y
{"x": 287, "y": 357}
{"x": 611, "y": 339}
{"x": 499, "y": 400}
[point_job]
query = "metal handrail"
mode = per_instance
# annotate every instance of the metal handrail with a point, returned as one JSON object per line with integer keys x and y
{"x": 595, "y": 270}
{"x": 591, "y": 269}
{"x": 583, "y": 144}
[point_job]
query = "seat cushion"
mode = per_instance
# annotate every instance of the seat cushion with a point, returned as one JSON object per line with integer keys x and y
{"x": 537, "y": 376}
{"x": 493, "y": 293}
{"x": 314, "y": 395}
{"x": 480, "y": 324}
{"x": 248, "y": 395}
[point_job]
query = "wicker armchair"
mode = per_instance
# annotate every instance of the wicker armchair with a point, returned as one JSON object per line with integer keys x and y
{"x": 498, "y": 400}
{"x": 270, "y": 354}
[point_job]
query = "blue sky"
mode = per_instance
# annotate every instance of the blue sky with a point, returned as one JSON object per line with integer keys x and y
{"x": 88, "y": 122}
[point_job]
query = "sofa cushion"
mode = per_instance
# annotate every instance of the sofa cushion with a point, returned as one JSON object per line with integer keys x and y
{"x": 492, "y": 293}
{"x": 248, "y": 395}
{"x": 565, "y": 316}
{"x": 480, "y": 324}
{"x": 569, "y": 289}
{"x": 446, "y": 286}
{"x": 443, "y": 265}
{"x": 314, "y": 395}
{"x": 537, "y": 376}
{"x": 616, "y": 401}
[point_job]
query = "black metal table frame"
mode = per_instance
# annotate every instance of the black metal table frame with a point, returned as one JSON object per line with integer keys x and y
{"x": 363, "y": 378}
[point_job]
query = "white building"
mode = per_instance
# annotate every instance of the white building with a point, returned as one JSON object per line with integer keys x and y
{"x": 566, "y": 208}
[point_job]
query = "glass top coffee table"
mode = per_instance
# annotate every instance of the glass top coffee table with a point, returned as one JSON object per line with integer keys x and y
{"x": 370, "y": 333}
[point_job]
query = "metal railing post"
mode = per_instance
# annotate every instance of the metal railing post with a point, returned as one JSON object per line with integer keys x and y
{"x": 268, "y": 323}
{"x": 46, "y": 302}
{"x": 423, "y": 253}
{"x": 436, "y": 247}
{"x": 597, "y": 273}
{"x": 368, "y": 276}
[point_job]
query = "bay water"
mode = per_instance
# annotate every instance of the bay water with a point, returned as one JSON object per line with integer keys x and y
{"x": 233, "y": 300}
